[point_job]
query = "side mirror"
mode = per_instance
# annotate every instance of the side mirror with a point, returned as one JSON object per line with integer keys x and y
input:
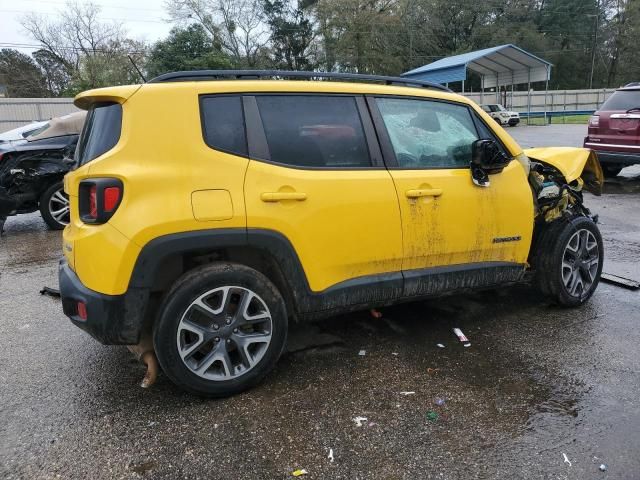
{"x": 487, "y": 159}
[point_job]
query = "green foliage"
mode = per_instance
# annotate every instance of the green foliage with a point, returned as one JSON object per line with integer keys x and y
{"x": 190, "y": 48}
{"x": 589, "y": 42}
{"x": 291, "y": 34}
{"x": 21, "y": 76}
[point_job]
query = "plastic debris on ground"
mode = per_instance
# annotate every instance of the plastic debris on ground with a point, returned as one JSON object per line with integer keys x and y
{"x": 439, "y": 345}
{"x": 439, "y": 401}
{"x": 603, "y": 467}
{"x": 461, "y": 336}
{"x": 566, "y": 459}
{"x": 51, "y": 292}
{"x": 395, "y": 354}
{"x": 375, "y": 313}
{"x": 299, "y": 473}
{"x": 330, "y": 456}
{"x": 432, "y": 416}
{"x": 359, "y": 420}
{"x": 432, "y": 371}
{"x": 619, "y": 281}
{"x": 362, "y": 353}
{"x": 407, "y": 393}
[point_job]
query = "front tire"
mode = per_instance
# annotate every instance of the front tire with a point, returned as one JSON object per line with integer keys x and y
{"x": 54, "y": 206}
{"x": 221, "y": 329}
{"x": 568, "y": 261}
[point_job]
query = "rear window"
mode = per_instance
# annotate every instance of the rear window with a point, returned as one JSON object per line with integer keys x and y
{"x": 223, "y": 123}
{"x": 314, "y": 131}
{"x": 101, "y": 131}
{"x": 622, "y": 100}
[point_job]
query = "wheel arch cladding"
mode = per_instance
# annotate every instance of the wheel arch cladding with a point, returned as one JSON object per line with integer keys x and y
{"x": 267, "y": 252}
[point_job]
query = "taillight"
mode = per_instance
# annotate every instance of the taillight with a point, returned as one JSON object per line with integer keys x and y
{"x": 594, "y": 121}
{"x": 93, "y": 202}
{"x": 111, "y": 198}
{"x": 98, "y": 199}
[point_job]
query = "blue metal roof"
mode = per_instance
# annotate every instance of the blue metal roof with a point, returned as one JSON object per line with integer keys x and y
{"x": 501, "y": 65}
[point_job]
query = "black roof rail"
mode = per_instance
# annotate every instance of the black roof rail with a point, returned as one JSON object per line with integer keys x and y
{"x": 203, "y": 75}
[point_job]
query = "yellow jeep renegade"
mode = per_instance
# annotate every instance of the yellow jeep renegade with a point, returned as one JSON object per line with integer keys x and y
{"x": 210, "y": 208}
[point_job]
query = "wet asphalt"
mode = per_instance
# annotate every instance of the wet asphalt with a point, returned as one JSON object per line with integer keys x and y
{"x": 537, "y": 383}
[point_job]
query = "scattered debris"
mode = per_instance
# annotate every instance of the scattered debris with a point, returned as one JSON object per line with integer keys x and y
{"x": 566, "y": 459}
{"x": 375, "y": 313}
{"x": 407, "y": 393}
{"x": 432, "y": 371}
{"x": 359, "y": 420}
{"x": 371, "y": 424}
{"x": 439, "y": 345}
{"x": 461, "y": 336}
{"x": 620, "y": 281}
{"x": 52, "y": 292}
{"x": 362, "y": 353}
{"x": 143, "y": 467}
{"x": 439, "y": 401}
{"x": 432, "y": 416}
{"x": 24, "y": 327}
{"x": 330, "y": 457}
{"x": 299, "y": 473}
{"x": 394, "y": 354}
{"x": 603, "y": 467}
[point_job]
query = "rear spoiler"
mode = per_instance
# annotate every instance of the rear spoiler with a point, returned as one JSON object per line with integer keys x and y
{"x": 120, "y": 94}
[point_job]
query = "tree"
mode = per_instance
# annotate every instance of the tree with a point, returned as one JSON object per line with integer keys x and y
{"x": 189, "y": 48}
{"x": 291, "y": 34}
{"x": 237, "y": 25}
{"x": 20, "y": 74}
{"x": 360, "y": 35}
{"x": 55, "y": 74}
{"x": 90, "y": 52}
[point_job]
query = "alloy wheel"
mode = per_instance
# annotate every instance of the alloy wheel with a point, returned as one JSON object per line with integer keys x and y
{"x": 580, "y": 262}
{"x": 59, "y": 207}
{"x": 224, "y": 333}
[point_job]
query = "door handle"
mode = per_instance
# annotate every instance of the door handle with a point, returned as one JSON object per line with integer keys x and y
{"x": 424, "y": 192}
{"x": 280, "y": 196}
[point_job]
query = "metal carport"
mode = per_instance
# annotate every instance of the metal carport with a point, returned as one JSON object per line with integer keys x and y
{"x": 497, "y": 66}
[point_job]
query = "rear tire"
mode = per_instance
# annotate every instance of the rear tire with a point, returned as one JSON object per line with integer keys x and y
{"x": 568, "y": 260}
{"x": 611, "y": 171}
{"x": 221, "y": 329}
{"x": 54, "y": 206}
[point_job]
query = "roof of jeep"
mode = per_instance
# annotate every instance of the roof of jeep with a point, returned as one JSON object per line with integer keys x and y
{"x": 281, "y": 81}
{"x": 121, "y": 93}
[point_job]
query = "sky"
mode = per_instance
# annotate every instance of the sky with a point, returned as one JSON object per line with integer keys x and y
{"x": 142, "y": 19}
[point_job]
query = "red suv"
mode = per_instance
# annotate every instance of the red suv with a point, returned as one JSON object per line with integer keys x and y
{"x": 614, "y": 130}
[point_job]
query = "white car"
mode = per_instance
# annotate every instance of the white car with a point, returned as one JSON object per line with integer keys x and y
{"x": 20, "y": 134}
{"x": 501, "y": 115}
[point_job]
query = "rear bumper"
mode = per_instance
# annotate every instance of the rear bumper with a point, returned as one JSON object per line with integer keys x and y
{"x": 111, "y": 319}
{"x": 614, "y": 154}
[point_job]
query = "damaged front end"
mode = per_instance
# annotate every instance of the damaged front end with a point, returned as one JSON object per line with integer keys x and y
{"x": 558, "y": 176}
{"x": 24, "y": 178}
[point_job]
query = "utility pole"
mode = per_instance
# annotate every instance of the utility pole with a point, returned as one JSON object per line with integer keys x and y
{"x": 595, "y": 42}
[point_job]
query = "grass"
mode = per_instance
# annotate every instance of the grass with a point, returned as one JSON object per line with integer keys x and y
{"x": 565, "y": 119}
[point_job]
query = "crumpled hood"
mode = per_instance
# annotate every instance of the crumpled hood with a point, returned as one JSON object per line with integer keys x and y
{"x": 573, "y": 163}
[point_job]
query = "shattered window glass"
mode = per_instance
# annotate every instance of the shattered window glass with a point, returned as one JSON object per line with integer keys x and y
{"x": 428, "y": 134}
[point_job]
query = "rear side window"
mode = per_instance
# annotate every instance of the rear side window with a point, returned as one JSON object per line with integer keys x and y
{"x": 101, "y": 131}
{"x": 223, "y": 124}
{"x": 315, "y": 131}
{"x": 622, "y": 100}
